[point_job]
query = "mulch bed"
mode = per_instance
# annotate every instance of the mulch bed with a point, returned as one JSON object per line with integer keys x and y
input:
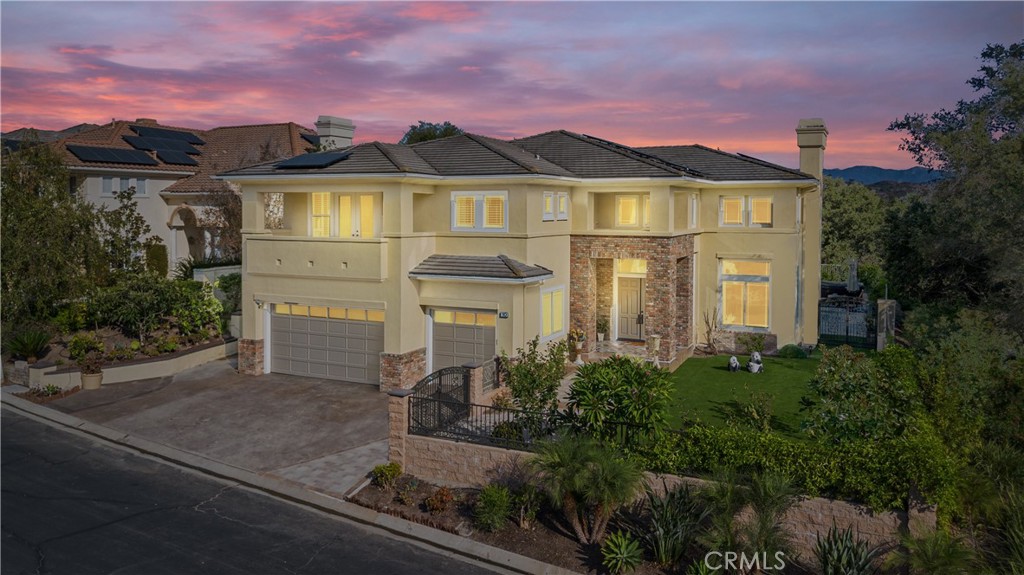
{"x": 547, "y": 541}
{"x": 40, "y": 396}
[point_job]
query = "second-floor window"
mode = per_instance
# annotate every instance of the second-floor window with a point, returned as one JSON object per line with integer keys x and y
{"x": 749, "y": 211}
{"x": 556, "y": 206}
{"x": 355, "y": 215}
{"x": 632, "y": 211}
{"x": 480, "y": 211}
{"x": 112, "y": 184}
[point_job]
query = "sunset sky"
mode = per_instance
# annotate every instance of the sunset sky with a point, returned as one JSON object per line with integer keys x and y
{"x": 736, "y": 76}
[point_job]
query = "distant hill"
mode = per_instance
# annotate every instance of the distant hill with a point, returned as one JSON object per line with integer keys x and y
{"x": 872, "y": 175}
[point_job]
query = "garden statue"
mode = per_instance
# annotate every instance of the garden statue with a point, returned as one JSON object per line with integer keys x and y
{"x": 755, "y": 365}
{"x": 734, "y": 364}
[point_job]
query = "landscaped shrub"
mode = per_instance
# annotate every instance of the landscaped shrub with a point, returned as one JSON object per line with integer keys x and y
{"x": 493, "y": 506}
{"x": 533, "y": 377}
{"x": 840, "y": 553}
{"x": 406, "y": 488}
{"x": 520, "y": 477}
{"x": 231, "y": 285}
{"x": 620, "y": 553}
{"x": 879, "y": 473}
{"x": 82, "y": 343}
{"x": 194, "y": 308}
{"x": 29, "y": 344}
{"x": 792, "y": 351}
{"x": 71, "y": 318}
{"x": 620, "y": 399}
{"x": 440, "y": 501}
{"x": 385, "y": 475}
{"x": 751, "y": 342}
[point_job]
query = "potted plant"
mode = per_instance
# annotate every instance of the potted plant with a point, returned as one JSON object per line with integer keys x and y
{"x": 602, "y": 328}
{"x": 91, "y": 366}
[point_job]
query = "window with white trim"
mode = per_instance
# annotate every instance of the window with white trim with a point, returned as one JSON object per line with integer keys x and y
{"x": 320, "y": 214}
{"x": 480, "y": 211}
{"x": 549, "y": 207}
{"x": 694, "y": 206}
{"x": 140, "y": 186}
{"x": 632, "y": 211}
{"x": 563, "y": 206}
{"x": 745, "y": 211}
{"x": 113, "y": 184}
{"x": 744, "y": 286}
{"x": 108, "y": 186}
{"x": 348, "y": 215}
{"x": 552, "y": 312}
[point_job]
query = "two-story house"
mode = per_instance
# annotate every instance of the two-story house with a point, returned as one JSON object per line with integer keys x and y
{"x": 397, "y": 260}
{"x": 171, "y": 169}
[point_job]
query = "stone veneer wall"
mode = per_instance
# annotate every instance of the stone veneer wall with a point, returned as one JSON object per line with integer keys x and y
{"x": 402, "y": 370}
{"x": 250, "y": 356}
{"x": 605, "y": 275}
{"x": 663, "y": 305}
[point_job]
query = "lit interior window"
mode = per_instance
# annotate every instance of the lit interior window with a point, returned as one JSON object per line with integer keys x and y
{"x": 732, "y": 211}
{"x": 626, "y": 212}
{"x": 321, "y": 214}
{"x": 761, "y": 211}
{"x": 632, "y": 266}
{"x": 494, "y": 212}
{"x": 465, "y": 211}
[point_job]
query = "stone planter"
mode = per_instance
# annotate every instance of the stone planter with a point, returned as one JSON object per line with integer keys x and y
{"x": 600, "y": 336}
{"x": 92, "y": 380}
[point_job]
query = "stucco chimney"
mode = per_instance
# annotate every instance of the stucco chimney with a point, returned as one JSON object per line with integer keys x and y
{"x": 334, "y": 132}
{"x": 811, "y": 134}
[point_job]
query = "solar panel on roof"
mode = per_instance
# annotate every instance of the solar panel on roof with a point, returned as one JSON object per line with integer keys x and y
{"x": 175, "y": 157}
{"x": 150, "y": 132}
{"x": 112, "y": 155}
{"x": 154, "y": 144}
{"x": 316, "y": 160}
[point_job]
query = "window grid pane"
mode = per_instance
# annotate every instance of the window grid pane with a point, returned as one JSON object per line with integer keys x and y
{"x": 746, "y": 268}
{"x": 465, "y": 212}
{"x": 549, "y": 206}
{"x": 732, "y": 303}
{"x": 627, "y": 212}
{"x": 494, "y": 212}
{"x": 545, "y": 313}
{"x": 444, "y": 316}
{"x": 366, "y": 228}
{"x": 563, "y": 206}
{"x": 375, "y": 315}
{"x": 345, "y": 216}
{"x": 486, "y": 319}
{"x": 757, "y": 304}
{"x": 557, "y": 310}
{"x": 761, "y": 211}
{"x": 732, "y": 211}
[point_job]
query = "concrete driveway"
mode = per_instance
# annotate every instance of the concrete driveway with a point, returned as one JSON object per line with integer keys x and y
{"x": 322, "y": 433}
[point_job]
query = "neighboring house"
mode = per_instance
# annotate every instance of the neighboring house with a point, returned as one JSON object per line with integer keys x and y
{"x": 398, "y": 260}
{"x": 171, "y": 169}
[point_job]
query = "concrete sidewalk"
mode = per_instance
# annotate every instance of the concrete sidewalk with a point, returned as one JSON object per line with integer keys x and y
{"x": 305, "y": 440}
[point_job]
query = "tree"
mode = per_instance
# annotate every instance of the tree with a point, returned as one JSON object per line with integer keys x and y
{"x": 225, "y": 217}
{"x": 123, "y": 232}
{"x": 426, "y": 131}
{"x": 51, "y": 251}
{"x": 853, "y": 218}
{"x": 961, "y": 244}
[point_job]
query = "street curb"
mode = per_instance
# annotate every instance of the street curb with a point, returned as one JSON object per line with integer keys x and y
{"x": 296, "y": 492}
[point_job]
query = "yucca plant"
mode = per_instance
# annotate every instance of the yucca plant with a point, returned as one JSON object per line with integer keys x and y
{"x": 621, "y": 553}
{"x": 30, "y": 344}
{"x": 840, "y": 553}
{"x": 668, "y": 524}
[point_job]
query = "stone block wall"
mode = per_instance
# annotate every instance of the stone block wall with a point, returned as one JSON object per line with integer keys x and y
{"x": 460, "y": 464}
{"x": 250, "y": 356}
{"x": 665, "y": 302}
{"x": 604, "y": 270}
{"x": 402, "y": 370}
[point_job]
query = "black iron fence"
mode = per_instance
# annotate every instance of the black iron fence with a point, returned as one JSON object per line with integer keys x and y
{"x": 478, "y": 424}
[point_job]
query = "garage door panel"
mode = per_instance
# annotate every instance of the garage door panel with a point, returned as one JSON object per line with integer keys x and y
{"x": 329, "y": 348}
{"x": 459, "y": 344}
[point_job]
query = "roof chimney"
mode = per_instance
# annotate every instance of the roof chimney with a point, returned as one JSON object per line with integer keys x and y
{"x": 811, "y": 134}
{"x": 146, "y": 121}
{"x": 334, "y": 132}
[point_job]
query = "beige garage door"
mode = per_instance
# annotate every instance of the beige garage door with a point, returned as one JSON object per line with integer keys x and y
{"x": 328, "y": 342}
{"x": 462, "y": 336}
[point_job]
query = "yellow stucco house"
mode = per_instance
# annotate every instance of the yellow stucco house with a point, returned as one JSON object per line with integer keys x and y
{"x": 397, "y": 260}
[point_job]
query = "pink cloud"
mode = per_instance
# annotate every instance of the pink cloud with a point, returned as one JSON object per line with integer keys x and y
{"x": 448, "y": 12}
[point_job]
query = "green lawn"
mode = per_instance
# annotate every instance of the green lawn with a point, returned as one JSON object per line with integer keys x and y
{"x": 707, "y": 391}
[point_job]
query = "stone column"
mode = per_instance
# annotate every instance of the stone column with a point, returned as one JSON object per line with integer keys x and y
{"x": 398, "y": 424}
{"x": 476, "y": 381}
{"x": 250, "y": 356}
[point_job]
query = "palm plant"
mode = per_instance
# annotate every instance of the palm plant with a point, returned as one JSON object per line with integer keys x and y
{"x": 724, "y": 499}
{"x": 588, "y": 481}
{"x": 771, "y": 495}
{"x": 934, "y": 553}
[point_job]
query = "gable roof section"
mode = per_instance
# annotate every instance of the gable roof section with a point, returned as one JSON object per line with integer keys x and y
{"x": 487, "y": 268}
{"x": 719, "y": 165}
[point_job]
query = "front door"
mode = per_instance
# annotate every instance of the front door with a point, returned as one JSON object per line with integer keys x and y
{"x": 357, "y": 217}
{"x": 631, "y": 308}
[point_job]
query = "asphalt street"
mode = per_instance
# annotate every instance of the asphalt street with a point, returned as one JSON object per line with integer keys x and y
{"x": 72, "y": 505}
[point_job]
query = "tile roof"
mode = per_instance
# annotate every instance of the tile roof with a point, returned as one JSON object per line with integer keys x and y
{"x": 478, "y": 267}
{"x": 558, "y": 154}
{"x": 719, "y": 165}
{"x": 225, "y": 148}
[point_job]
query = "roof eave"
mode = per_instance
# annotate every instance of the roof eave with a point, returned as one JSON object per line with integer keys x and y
{"x": 482, "y": 279}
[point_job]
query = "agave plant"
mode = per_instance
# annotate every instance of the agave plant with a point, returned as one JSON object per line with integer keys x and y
{"x": 840, "y": 553}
